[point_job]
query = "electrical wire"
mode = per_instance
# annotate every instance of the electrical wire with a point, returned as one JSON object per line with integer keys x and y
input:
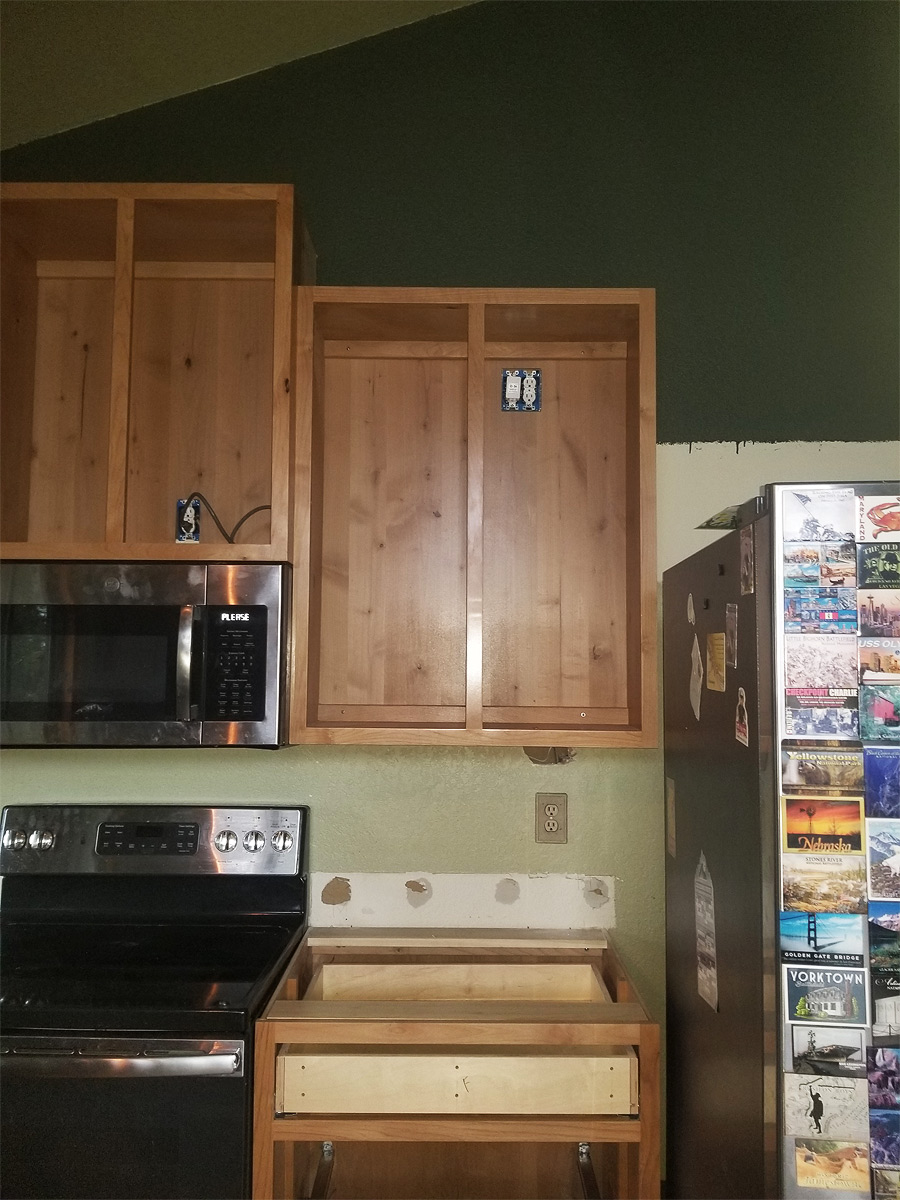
{"x": 229, "y": 537}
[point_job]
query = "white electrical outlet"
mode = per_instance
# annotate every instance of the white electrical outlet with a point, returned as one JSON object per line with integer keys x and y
{"x": 550, "y": 817}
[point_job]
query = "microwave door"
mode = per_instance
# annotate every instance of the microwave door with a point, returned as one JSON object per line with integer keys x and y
{"x": 97, "y": 674}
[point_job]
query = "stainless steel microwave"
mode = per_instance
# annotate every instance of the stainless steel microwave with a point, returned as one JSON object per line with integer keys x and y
{"x": 142, "y": 654}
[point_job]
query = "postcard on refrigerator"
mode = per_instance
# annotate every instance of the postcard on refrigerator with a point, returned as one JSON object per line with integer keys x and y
{"x": 824, "y": 1050}
{"x": 882, "y": 780}
{"x": 879, "y": 660}
{"x": 825, "y": 995}
{"x": 831, "y": 714}
{"x": 837, "y": 564}
{"x": 884, "y": 1137}
{"x": 885, "y": 1184}
{"x": 884, "y": 935}
{"x": 819, "y": 660}
{"x": 818, "y": 515}
{"x": 877, "y": 517}
{"x": 820, "y": 610}
{"x": 828, "y": 939}
{"x": 878, "y": 565}
{"x": 801, "y": 564}
{"x": 883, "y": 1075}
{"x": 832, "y": 1165}
{"x": 825, "y": 1106}
{"x": 879, "y": 712}
{"x": 886, "y": 1007}
{"x": 824, "y": 772}
{"x": 883, "y": 857}
{"x": 822, "y": 825}
{"x": 879, "y": 612}
{"x": 823, "y": 883}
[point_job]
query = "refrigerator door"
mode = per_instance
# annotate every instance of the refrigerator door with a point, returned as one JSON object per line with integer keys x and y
{"x": 720, "y": 863}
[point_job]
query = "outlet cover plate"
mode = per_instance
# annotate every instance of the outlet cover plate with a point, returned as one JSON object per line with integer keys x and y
{"x": 551, "y": 822}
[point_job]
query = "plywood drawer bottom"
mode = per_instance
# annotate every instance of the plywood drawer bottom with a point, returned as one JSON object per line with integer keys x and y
{"x": 514, "y": 1080}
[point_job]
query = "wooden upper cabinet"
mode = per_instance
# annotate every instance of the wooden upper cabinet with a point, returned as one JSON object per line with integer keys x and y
{"x": 464, "y": 573}
{"x": 146, "y": 357}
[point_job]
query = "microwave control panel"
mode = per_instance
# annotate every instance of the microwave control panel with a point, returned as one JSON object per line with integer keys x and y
{"x": 235, "y": 683}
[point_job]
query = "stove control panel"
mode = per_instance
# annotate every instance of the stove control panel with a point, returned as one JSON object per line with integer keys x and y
{"x": 151, "y": 840}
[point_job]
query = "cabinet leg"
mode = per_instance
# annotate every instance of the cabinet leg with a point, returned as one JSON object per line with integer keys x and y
{"x": 589, "y": 1186}
{"x": 322, "y": 1180}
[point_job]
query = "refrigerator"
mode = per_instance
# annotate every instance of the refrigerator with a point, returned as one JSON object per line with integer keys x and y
{"x": 781, "y": 669}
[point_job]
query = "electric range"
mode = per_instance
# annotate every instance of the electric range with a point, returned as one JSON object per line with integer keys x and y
{"x": 138, "y": 945}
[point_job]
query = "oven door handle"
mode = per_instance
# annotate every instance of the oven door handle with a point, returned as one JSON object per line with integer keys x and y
{"x": 146, "y": 1065}
{"x": 183, "y": 663}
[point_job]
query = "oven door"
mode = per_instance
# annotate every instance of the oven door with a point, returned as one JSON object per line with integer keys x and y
{"x": 112, "y": 1118}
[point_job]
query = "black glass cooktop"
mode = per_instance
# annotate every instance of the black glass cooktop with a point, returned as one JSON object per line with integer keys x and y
{"x": 208, "y": 977}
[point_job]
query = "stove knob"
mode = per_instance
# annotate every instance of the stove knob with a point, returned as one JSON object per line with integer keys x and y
{"x": 226, "y": 840}
{"x": 254, "y": 840}
{"x": 41, "y": 839}
{"x": 282, "y": 840}
{"x": 14, "y": 839}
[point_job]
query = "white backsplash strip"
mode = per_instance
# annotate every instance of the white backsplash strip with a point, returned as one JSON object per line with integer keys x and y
{"x": 370, "y": 900}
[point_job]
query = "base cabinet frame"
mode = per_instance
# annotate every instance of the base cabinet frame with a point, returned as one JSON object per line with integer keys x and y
{"x": 483, "y": 1155}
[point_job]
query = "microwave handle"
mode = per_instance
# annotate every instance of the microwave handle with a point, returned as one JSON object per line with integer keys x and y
{"x": 183, "y": 664}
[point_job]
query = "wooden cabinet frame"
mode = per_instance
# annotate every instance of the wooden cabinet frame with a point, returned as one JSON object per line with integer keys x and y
{"x": 161, "y": 262}
{"x": 286, "y": 1145}
{"x": 384, "y": 364}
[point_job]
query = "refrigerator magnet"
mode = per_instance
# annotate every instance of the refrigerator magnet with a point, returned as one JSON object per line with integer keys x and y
{"x": 731, "y": 623}
{"x": 715, "y": 662}
{"x": 747, "y": 571}
{"x": 741, "y": 719}
{"x": 695, "y": 687}
{"x": 705, "y": 924}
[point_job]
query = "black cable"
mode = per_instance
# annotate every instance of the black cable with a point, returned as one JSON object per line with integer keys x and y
{"x": 229, "y": 537}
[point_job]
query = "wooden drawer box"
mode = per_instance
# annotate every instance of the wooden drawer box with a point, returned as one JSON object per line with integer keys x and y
{"x": 448, "y": 1063}
{"x": 488, "y": 1079}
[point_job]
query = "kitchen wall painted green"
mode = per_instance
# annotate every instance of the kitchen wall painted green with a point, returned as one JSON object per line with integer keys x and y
{"x": 410, "y": 809}
{"x": 741, "y": 158}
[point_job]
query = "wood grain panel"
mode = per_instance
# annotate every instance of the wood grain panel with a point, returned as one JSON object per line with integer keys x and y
{"x": 18, "y": 318}
{"x": 458, "y": 981}
{"x": 393, "y": 544}
{"x": 387, "y": 715}
{"x": 67, "y": 495}
{"x": 173, "y": 228}
{"x": 555, "y": 542}
{"x": 201, "y": 405}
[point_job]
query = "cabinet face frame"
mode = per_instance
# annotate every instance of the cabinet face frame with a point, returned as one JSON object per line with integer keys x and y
{"x": 495, "y": 328}
{"x": 117, "y": 272}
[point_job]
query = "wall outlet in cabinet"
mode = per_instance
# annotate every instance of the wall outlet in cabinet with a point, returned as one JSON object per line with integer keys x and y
{"x": 550, "y": 817}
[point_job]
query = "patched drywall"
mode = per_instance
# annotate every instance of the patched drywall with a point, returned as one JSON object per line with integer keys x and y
{"x": 372, "y": 900}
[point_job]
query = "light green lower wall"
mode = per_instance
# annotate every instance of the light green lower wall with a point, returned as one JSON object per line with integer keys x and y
{"x": 467, "y": 810}
{"x": 410, "y": 809}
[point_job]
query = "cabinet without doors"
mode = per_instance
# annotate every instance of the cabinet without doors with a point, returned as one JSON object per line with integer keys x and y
{"x": 466, "y": 573}
{"x": 146, "y": 356}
